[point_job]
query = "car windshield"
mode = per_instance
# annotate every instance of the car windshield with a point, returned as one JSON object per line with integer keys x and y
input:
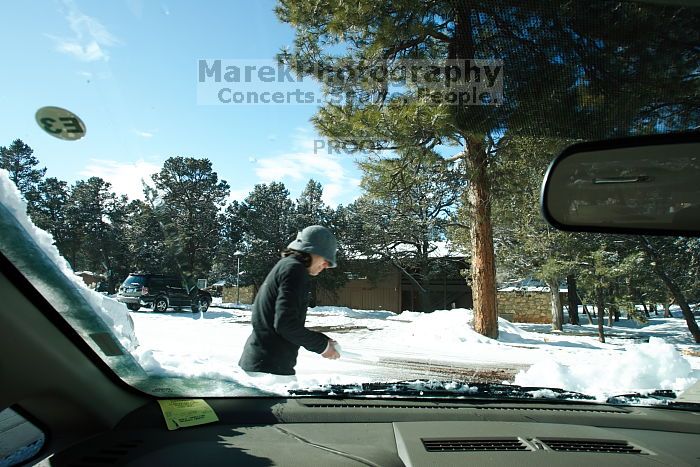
{"x": 203, "y": 140}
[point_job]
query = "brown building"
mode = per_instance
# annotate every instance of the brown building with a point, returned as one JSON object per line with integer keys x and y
{"x": 393, "y": 291}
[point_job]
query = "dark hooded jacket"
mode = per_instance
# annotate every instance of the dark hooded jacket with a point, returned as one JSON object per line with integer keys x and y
{"x": 279, "y": 315}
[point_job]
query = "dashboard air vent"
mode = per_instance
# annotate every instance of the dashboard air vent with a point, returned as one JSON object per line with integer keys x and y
{"x": 473, "y": 444}
{"x": 591, "y": 445}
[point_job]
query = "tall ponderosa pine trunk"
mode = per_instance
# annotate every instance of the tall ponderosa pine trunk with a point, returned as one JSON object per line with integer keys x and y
{"x": 483, "y": 270}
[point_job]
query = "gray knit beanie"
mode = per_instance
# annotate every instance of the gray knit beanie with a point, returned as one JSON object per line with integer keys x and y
{"x": 318, "y": 240}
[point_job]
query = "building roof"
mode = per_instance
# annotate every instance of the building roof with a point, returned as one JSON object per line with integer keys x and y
{"x": 438, "y": 250}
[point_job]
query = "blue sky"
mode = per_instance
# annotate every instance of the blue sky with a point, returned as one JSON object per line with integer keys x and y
{"x": 128, "y": 69}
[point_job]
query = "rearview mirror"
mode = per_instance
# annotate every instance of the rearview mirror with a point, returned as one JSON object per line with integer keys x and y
{"x": 640, "y": 185}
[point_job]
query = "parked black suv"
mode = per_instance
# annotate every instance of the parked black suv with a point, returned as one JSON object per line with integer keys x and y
{"x": 160, "y": 292}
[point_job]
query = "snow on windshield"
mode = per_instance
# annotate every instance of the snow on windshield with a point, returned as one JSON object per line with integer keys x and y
{"x": 111, "y": 312}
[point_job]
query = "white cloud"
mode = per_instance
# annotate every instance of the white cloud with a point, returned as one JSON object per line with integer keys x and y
{"x": 84, "y": 26}
{"x": 144, "y": 134}
{"x": 90, "y": 38}
{"x": 302, "y": 166}
{"x": 86, "y": 53}
{"x": 124, "y": 177}
{"x": 299, "y": 166}
{"x": 335, "y": 194}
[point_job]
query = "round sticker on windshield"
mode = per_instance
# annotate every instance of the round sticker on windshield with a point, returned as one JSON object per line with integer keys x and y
{"x": 60, "y": 123}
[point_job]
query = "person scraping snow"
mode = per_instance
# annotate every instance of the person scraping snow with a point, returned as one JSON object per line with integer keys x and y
{"x": 279, "y": 309}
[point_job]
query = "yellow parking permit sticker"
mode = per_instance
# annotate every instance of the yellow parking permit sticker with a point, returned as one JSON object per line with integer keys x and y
{"x": 181, "y": 413}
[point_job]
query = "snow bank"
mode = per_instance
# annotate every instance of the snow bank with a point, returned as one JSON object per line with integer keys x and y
{"x": 446, "y": 328}
{"x": 512, "y": 334}
{"x": 450, "y": 328}
{"x": 114, "y": 314}
{"x": 640, "y": 367}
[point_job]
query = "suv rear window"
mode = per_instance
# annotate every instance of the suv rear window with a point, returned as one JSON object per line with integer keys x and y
{"x": 134, "y": 280}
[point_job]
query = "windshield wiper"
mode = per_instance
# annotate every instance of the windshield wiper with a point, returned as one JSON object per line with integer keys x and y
{"x": 659, "y": 398}
{"x": 442, "y": 389}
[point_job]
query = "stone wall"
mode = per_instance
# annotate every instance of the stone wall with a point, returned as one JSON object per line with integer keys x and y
{"x": 525, "y": 307}
{"x": 229, "y": 294}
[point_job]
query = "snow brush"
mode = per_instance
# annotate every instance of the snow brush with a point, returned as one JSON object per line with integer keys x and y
{"x": 350, "y": 355}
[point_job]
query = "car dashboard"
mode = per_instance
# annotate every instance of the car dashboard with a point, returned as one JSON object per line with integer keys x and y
{"x": 378, "y": 432}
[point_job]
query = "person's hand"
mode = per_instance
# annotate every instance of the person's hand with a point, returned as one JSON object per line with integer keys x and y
{"x": 331, "y": 352}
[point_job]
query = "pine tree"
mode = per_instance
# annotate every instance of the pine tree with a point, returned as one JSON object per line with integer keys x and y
{"x": 574, "y": 75}
{"x": 146, "y": 241}
{"x": 96, "y": 219}
{"x": 310, "y": 208}
{"x": 676, "y": 262}
{"x": 407, "y": 205}
{"x": 19, "y": 161}
{"x": 49, "y": 211}
{"x": 191, "y": 197}
{"x": 526, "y": 246}
{"x": 268, "y": 218}
{"x": 226, "y": 262}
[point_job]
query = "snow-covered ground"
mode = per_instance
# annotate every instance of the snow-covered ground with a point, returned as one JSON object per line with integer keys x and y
{"x": 382, "y": 346}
